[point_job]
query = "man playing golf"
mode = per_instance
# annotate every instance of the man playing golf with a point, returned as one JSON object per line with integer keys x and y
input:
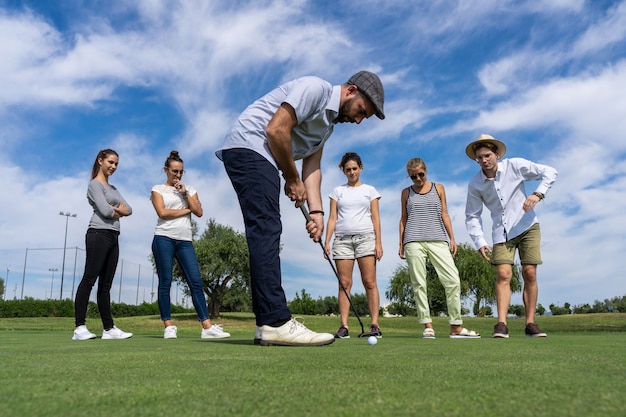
{"x": 499, "y": 185}
{"x": 290, "y": 123}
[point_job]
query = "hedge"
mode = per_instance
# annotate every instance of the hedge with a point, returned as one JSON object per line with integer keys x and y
{"x": 30, "y": 307}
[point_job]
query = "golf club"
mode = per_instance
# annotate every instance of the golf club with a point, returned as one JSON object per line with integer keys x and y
{"x": 327, "y": 256}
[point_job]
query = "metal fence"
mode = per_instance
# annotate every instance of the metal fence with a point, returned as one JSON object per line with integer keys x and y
{"x": 37, "y": 273}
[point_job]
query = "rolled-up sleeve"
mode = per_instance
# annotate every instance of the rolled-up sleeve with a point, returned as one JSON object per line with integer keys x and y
{"x": 545, "y": 174}
{"x": 473, "y": 219}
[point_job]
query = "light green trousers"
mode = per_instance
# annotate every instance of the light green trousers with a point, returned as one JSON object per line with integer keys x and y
{"x": 441, "y": 258}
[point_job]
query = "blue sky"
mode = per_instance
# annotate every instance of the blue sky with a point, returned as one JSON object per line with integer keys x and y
{"x": 145, "y": 77}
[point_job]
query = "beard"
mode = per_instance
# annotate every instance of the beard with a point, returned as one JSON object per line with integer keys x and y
{"x": 344, "y": 110}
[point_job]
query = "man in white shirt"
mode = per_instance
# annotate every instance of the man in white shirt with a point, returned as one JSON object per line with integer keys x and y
{"x": 291, "y": 122}
{"x": 499, "y": 185}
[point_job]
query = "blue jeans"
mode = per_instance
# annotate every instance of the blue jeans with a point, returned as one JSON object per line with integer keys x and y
{"x": 102, "y": 249}
{"x": 165, "y": 250}
{"x": 257, "y": 184}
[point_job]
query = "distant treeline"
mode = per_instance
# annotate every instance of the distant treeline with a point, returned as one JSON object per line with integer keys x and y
{"x": 613, "y": 305}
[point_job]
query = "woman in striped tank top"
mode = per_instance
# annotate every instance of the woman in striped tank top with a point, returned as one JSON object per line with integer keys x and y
{"x": 426, "y": 232}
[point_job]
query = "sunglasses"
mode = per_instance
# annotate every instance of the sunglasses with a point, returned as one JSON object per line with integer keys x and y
{"x": 419, "y": 174}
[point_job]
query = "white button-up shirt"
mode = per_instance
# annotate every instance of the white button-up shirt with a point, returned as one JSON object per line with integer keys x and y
{"x": 504, "y": 196}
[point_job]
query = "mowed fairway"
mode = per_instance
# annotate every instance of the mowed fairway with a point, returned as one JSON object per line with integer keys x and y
{"x": 579, "y": 370}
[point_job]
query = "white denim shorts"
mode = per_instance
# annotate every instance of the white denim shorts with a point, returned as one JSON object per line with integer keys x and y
{"x": 354, "y": 246}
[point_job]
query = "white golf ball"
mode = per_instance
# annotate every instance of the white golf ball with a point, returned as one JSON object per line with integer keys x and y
{"x": 372, "y": 340}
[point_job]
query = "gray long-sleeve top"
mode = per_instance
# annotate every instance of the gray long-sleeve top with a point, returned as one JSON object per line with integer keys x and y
{"x": 103, "y": 198}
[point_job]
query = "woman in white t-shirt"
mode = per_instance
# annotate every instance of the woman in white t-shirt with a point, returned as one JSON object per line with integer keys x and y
{"x": 354, "y": 218}
{"x": 174, "y": 202}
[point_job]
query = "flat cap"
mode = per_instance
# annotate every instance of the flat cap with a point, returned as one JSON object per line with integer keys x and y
{"x": 370, "y": 86}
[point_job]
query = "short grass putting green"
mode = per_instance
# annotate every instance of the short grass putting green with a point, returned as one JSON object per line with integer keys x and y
{"x": 579, "y": 370}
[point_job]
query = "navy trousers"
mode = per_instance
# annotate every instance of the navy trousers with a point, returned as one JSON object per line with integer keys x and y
{"x": 257, "y": 184}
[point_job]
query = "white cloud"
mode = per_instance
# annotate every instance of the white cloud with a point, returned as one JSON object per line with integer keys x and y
{"x": 559, "y": 102}
{"x": 604, "y": 33}
{"x": 590, "y": 104}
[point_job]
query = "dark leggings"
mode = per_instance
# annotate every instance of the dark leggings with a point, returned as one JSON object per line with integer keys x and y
{"x": 102, "y": 254}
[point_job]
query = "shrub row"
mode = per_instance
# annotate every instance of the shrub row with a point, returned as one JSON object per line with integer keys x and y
{"x": 30, "y": 307}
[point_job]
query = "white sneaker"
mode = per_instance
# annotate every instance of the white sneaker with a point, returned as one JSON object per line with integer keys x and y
{"x": 214, "y": 332}
{"x": 257, "y": 335}
{"x": 81, "y": 333}
{"x": 294, "y": 333}
{"x": 115, "y": 333}
{"x": 170, "y": 332}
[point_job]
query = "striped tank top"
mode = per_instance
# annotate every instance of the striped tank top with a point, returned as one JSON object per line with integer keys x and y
{"x": 424, "y": 222}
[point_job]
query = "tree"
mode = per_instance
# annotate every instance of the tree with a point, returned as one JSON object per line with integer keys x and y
{"x": 359, "y": 301}
{"x": 582, "y": 309}
{"x": 541, "y": 310}
{"x": 485, "y": 311}
{"x": 237, "y": 297}
{"x": 620, "y": 304}
{"x": 478, "y": 277}
{"x": 224, "y": 265}
{"x": 327, "y": 305}
{"x": 303, "y": 303}
{"x": 2, "y": 288}
{"x": 517, "y": 309}
{"x": 559, "y": 311}
{"x": 401, "y": 309}
{"x": 399, "y": 291}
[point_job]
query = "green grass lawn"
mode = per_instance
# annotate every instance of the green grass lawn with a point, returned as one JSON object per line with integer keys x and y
{"x": 579, "y": 370}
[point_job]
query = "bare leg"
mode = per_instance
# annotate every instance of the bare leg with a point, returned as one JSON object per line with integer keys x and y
{"x": 529, "y": 296}
{"x": 344, "y": 268}
{"x": 367, "y": 266}
{"x": 503, "y": 290}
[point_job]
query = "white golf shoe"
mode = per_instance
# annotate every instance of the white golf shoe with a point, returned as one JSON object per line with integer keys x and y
{"x": 258, "y": 332}
{"x": 294, "y": 333}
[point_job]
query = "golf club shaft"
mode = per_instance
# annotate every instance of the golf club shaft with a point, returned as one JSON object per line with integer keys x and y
{"x": 327, "y": 256}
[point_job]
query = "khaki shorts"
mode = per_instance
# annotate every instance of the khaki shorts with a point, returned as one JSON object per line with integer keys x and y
{"x": 354, "y": 246}
{"x": 528, "y": 244}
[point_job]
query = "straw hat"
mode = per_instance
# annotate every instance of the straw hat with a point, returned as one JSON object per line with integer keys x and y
{"x": 470, "y": 150}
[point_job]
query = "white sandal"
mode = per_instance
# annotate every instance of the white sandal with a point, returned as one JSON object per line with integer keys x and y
{"x": 465, "y": 334}
{"x": 428, "y": 333}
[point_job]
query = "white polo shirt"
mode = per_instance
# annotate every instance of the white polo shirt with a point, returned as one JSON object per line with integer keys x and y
{"x": 316, "y": 103}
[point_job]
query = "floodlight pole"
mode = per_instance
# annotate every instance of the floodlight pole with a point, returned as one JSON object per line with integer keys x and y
{"x": 67, "y": 217}
{"x": 6, "y": 283}
{"x": 53, "y": 270}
